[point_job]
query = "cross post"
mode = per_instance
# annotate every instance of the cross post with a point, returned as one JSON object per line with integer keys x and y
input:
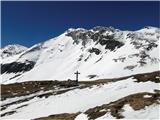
{"x": 77, "y": 76}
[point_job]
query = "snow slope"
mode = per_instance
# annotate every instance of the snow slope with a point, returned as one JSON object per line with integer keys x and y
{"x": 79, "y": 100}
{"x": 102, "y": 52}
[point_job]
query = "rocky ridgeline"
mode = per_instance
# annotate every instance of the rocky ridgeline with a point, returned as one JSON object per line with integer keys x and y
{"x": 105, "y": 36}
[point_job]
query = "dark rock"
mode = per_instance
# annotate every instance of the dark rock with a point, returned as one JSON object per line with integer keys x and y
{"x": 99, "y": 59}
{"x": 103, "y": 29}
{"x": 112, "y": 44}
{"x": 103, "y": 42}
{"x": 131, "y": 67}
{"x": 94, "y": 50}
{"x": 95, "y": 37}
{"x": 91, "y": 76}
{"x": 80, "y": 57}
{"x": 87, "y": 58}
{"x": 15, "y": 67}
{"x": 151, "y": 45}
{"x": 142, "y": 63}
{"x": 121, "y": 59}
{"x": 15, "y": 76}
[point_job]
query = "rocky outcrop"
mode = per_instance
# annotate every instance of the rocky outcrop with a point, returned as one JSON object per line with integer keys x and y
{"x": 16, "y": 67}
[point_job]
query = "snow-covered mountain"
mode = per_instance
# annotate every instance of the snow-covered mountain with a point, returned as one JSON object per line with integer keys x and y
{"x": 119, "y": 77}
{"x": 11, "y": 50}
{"x": 101, "y": 52}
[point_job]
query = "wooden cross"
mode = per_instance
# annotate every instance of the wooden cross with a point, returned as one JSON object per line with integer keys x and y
{"x": 77, "y": 75}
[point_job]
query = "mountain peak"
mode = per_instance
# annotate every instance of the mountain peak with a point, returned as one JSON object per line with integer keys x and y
{"x": 103, "y": 28}
{"x": 14, "y": 46}
{"x": 12, "y": 49}
{"x": 148, "y": 27}
{"x": 93, "y": 52}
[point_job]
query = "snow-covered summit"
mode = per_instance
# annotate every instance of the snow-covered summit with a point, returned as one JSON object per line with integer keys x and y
{"x": 11, "y": 50}
{"x": 101, "y": 52}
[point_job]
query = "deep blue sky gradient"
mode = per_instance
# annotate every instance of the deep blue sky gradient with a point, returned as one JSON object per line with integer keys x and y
{"x": 28, "y": 23}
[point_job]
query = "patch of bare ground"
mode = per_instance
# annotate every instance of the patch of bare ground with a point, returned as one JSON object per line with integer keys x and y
{"x": 136, "y": 101}
{"x": 26, "y": 88}
{"x": 64, "y": 116}
{"x": 3, "y": 107}
{"x": 143, "y": 77}
{"x": 60, "y": 87}
{"x": 30, "y": 87}
{"x": 154, "y": 77}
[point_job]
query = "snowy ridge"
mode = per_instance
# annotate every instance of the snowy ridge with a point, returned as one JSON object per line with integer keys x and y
{"x": 11, "y": 50}
{"x": 102, "y": 52}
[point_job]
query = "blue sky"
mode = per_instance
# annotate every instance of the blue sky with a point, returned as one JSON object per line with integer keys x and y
{"x": 28, "y": 23}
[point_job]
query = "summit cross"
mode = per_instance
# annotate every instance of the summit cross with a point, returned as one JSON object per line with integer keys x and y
{"x": 77, "y": 73}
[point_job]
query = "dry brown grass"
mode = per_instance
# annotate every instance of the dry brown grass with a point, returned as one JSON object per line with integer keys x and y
{"x": 64, "y": 116}
{"x": 143, "y": 77}
{"x": 26, "y": 88}
{"x": 154, "y": 77}
{"x": 136, "y": 101}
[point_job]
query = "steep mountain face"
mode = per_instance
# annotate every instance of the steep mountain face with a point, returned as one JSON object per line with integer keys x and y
{"x": 102, "y": 52}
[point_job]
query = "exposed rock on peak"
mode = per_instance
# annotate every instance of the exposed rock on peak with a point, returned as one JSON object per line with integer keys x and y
{"x": 11, "y": 50}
